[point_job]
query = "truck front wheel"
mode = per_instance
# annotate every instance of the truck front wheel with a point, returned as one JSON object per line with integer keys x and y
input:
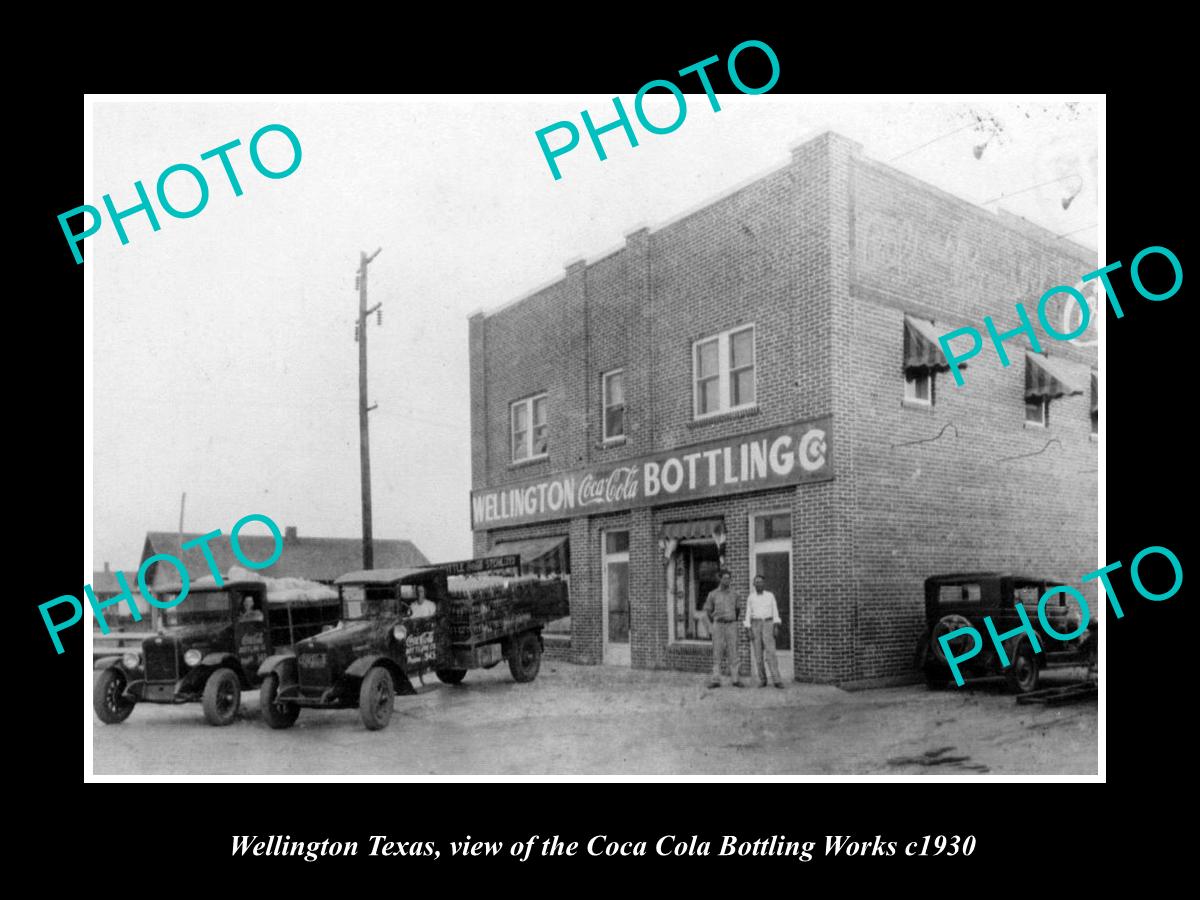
{"x": 108, "y": 697}
{"x": 222, "y": 697}
{"x": 375, "y": 698}
{"x": 525, "y": 658}
{"x": 275, "y": 713}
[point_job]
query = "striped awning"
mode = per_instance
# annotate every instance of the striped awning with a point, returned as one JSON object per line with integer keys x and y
{"x": 539, "y": 556}
{"x": 697, "y": 528}
{"x": 1050, "y": 377}
{"x": 1095, "y": 391}
{"x": 921, "y": 348}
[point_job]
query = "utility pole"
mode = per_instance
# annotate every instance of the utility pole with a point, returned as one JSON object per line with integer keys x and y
{"x": 360, "y": 335}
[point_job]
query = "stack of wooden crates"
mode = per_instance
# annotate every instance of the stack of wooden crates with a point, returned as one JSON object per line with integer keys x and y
{"x": 486, "y": 607}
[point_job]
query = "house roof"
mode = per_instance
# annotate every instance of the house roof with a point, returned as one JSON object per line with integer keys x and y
{"x": 314, "y": 558}
{"x": 104, "y": 582}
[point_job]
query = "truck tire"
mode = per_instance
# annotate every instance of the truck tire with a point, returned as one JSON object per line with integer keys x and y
{"x": 275, "y": 713}
{"x": 375, "y": 698}
{"x": 1023, "y": 674}
{"x": 525, "y": 658}
{"x": 108, "y": 699}
{"x": 451, "y": 676}
{"x": 222, "y": 697}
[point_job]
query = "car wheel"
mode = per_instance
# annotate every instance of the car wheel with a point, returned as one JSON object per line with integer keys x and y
{"x": 451, "y": 676}
{"x": 1024, "y": 672}
{"x": 275, "y": 713}
{"x": 525, "y": 658}
{"x": 108, "y": 697}
{"x": 222, "y": 697}
{"x": 945, "y": 625}
{"x": 375, "y": 698}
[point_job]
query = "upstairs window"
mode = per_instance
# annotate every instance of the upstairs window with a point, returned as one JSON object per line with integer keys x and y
{"x": 1095, "y": 403}
{"x": 613, "y": 385}
{"x": 1037, "y": 411}
{"x": 723, "y": 372}
{"x": 923, "y": 359}
{"x": 530, "y": 433}
{"x": 918, "y": 388}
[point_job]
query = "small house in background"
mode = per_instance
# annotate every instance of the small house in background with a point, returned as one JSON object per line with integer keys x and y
{"x": 312, "y": 558}
{"x": 104, "y": 585}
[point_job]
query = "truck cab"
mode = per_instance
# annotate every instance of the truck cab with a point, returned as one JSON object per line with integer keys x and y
{"x": 208, "y": 649}
{"x": 396, "y": 624}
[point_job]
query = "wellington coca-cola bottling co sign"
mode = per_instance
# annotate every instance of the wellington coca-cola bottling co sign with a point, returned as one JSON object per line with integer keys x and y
{"x": 774, "y": 457}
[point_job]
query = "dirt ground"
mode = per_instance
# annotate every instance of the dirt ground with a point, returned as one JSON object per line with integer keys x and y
{"x": 595, "y": 720}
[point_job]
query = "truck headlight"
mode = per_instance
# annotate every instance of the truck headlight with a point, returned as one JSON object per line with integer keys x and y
{"x": 131, "y": 660}
{"x": 399, "y": 632}
{"x": 193, "y": 657}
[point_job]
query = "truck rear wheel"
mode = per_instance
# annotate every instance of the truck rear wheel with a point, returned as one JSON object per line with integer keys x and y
{"x": 451, "y": 676}
{"x": 525, "y": 658}
{"x": 222, "y": 697}
{"x": 375, "y": 698}
{"x": 108, "y": 697}
{"x": 275, "y": 713}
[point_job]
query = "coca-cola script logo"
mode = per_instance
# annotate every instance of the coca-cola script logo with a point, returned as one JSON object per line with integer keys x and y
{"x": 620, "y": 484}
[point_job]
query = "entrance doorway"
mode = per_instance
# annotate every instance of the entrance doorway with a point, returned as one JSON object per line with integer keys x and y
{"x": 771, "y": 557}
{"x": 614, "y": 586}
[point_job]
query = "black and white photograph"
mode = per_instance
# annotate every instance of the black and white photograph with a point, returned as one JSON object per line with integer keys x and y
{"x": 684, "y": 433}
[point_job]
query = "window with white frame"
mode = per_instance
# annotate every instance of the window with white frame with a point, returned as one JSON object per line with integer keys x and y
{"x": 1037, "y": 411}
{"x": 723, "y": 372}
{"x": 530, "y": 433}
{"x": 613, "y": 388}
{"x": 1095, "y": 405}
{"x": 919, "y": 387}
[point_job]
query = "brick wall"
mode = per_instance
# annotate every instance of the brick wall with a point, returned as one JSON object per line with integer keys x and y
{"x": 824, "y": 256}
{"x": 951, "y": 504}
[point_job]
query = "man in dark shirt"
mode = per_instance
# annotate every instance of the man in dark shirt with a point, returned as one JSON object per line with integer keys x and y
{"x": 721, "y": 609}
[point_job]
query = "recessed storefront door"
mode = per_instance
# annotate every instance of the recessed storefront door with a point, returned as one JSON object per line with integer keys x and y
{"x": 614, "y": 555}
{"x": 771, "y": 557}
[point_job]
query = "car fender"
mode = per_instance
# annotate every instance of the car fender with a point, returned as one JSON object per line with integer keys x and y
{"x": 359, "y": 668}
{"x": 219, "y": 659}
{"x": 107, "y": 662}
{"x": 281, "y": 664}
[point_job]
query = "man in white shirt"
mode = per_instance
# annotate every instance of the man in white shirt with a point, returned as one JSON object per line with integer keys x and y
{"x": 762, "y": 615}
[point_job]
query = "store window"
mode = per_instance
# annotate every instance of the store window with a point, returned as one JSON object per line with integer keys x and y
{"x": 697, "y": 564}
{"x": 723, "y": 372}
{"x": 614, "y": 405}
{"x": 530, "y": 433}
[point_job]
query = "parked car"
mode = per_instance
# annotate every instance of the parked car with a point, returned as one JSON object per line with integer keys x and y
{"x": 962, "y": 600}
{"x": 209, "y": 647}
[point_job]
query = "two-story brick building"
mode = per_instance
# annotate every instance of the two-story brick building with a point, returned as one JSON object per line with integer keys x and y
{"x": 759, "y": 382}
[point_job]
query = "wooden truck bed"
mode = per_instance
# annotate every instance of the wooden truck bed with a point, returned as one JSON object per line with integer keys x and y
{"x": 486, "y": 608}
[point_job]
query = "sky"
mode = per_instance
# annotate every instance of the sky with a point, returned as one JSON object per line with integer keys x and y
{"x": 223, "y": 355}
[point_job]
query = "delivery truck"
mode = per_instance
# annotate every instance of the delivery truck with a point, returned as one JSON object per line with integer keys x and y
{"x": 401, "y": 623}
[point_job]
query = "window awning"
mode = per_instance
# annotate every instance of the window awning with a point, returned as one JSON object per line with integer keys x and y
{"x": 539, "y": 556}
{"x": 1095, "y": 391}
{"x": 697, "y": 528}
{"x": 921, "y": 348}
{"x": 1050, "y": 378}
